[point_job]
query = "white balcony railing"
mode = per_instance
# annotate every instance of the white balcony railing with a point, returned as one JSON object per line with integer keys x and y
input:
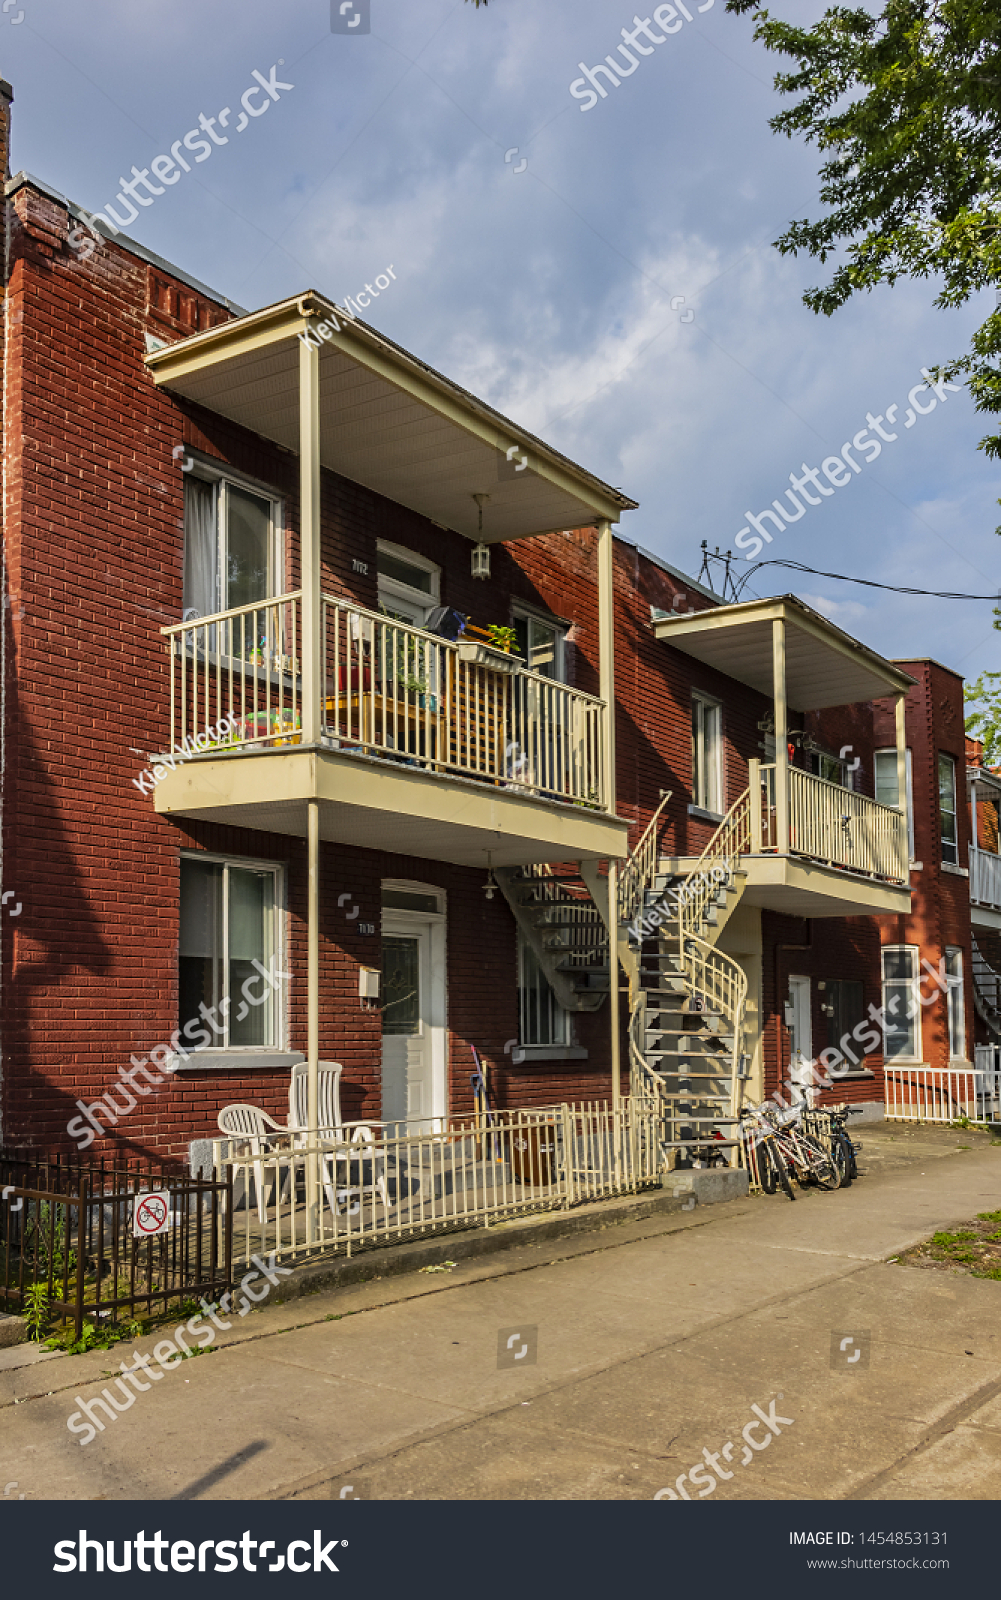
{"x": 390, "y": 690}
{"x": 403, "y": 694}
{"x": 837, "y": 826}
{"x": 241, "y": 668}
{"x": 985, "y": 878}
{"x": 916, "y": 1093}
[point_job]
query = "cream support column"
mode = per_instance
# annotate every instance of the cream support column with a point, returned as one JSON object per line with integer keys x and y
{"x": 313, "y": 1014}
{"x": 900, "y": 722}
{"x": 606, "y": 691}
{"x": 781, "y": 734}
{"x": 613, "y": 983}
{"x": 606, "y": 656}
{"x": 309, "y": 542}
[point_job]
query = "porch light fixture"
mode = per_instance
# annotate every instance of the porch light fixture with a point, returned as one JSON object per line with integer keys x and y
{"x": 481, "y": 551}
{"x": 490, "y": 887}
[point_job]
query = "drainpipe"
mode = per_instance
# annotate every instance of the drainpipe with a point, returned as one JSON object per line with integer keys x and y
{"x": 313, "y": 1014}
{"x": 606, "y": 691}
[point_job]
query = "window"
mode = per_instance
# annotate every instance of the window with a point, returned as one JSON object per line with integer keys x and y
{"x": 707, "y": 754}
{"x": 956, "y": 1003}
{"x": 232, "y": 546}
{"x": 901, "y": 1003}
{"x": 886, "y": 789}
{"x": 841, "y": 1003}
{"x": 229, "y": 954}
{"x": 542, "y": 1019}
{"x": 409, "y": 584}
{"x": 829, "y": 767}
{"x": 540, "y": 644}
{"x": 947, "y": 808}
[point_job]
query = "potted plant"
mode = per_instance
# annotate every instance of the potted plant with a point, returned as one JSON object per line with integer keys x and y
{"x": 492, "y": 648}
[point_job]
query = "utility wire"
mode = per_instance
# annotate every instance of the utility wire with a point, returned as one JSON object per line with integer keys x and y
{"x": 870, "y": 583}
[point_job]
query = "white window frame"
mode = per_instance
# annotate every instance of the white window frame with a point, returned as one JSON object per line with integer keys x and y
{"x": 224, "y": 478}
{"x": 911, "y": 987}
{"x": 522, "y": 613}
{"x": 892, "y": 752}
{"x": 956, "y": 1002}
{"x": 402, "y": 598}
{"x": 563, "y": 1022}
{"x": 703, "y": 761}
{"x": 947, "y": 844}
{"x": 219, "y": 1044}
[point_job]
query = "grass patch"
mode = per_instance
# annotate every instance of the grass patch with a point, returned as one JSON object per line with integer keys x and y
{"x": 975, "y": 1248}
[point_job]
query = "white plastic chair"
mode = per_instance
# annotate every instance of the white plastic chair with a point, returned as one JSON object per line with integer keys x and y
{"x": 328, "y": 1099}
{"x": 252, "y": 1125}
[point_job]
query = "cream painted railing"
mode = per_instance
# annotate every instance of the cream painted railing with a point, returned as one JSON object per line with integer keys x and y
{"x": 929, "y": 1094}
{"x": 239, "y": 667}
{"x": 985, "y": 878}
{"x": 640, "y": 869}
{"x": 715, "y": 866}
{"x": 393, "y": 690}
{"x": 382, "y": 1185}
{"x": 838, "y": 826}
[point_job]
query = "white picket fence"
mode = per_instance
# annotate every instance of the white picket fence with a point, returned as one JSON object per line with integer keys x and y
{"x": 375, "y": 1184}
{"x": 930, "y": 1094}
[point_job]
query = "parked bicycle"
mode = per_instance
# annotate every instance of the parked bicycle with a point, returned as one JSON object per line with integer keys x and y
{"x": 782, "y": 1149}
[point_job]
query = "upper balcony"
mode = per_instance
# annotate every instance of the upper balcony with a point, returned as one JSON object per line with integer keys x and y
{"x": 437, "y": 748}
{"x": 810, "y": 847}
{"x": 984, "y": 788}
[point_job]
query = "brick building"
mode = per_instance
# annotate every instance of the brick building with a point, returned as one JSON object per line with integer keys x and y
{"x": 264, "y": 804}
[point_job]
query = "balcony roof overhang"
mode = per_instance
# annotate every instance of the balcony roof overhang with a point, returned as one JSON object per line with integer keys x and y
{"x": 984, "y": 779}
{"x": 824, "y": 667}
{"x": 387, "y": 420}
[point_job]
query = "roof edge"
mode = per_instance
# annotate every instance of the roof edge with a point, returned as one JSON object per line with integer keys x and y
{"x": 25, "y": 180}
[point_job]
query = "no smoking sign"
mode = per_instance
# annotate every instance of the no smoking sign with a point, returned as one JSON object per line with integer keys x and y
{"x": 150, "y": 1215}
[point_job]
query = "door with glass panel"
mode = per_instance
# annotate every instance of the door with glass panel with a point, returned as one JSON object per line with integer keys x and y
{"x": 407, "y": 1064}
{"x": 539, "y": 745}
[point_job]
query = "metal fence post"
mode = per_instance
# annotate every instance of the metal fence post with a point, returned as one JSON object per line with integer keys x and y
{"x": 81, "y": 1241}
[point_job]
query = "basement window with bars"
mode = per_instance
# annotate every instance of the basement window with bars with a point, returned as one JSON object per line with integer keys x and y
{"x": 229, "y": 946}
{"x": 542, "y": 1020}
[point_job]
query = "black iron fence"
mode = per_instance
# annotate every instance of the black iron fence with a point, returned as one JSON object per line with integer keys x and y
{"x": 103, "y": 1244}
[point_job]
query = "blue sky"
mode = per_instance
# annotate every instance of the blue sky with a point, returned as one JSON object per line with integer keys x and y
{"x": 548, "y": 290}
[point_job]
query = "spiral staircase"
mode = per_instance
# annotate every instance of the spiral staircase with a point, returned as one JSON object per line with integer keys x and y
{"x": 687, "y": 998}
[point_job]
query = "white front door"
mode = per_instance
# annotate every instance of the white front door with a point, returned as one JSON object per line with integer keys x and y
{"x": 413, "y": 1005}
{"x": 800, "y": 1026}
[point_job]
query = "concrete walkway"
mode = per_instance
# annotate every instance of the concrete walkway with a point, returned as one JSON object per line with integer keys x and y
{"x": 654, "y": 1341}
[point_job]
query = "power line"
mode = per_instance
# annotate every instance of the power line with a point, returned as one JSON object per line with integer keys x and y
{"x": 870, "y": 583}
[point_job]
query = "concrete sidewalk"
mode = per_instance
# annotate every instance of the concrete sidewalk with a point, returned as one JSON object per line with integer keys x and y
{"x": 654, "y": 1338}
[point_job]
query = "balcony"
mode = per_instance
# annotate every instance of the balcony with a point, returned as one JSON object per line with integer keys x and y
{"x": 455, "y": 746}
{"x": 395, "y": 738}
{"x": 984, "y": 861}
{"x": 809, "y": 847}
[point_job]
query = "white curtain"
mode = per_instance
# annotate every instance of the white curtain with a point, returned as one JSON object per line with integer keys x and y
{"x": 201, "y": 549}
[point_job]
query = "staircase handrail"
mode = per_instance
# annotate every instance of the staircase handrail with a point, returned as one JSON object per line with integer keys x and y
{"x": 722, "y": 984}
{"x": 715, "y": 865}
{"x": 640, "y": 868}
{"x": 986, "y": 1008}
